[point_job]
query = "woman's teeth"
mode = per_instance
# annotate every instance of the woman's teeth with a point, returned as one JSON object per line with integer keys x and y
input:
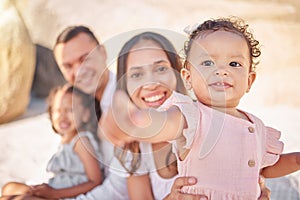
{"x": 154, "y": 98}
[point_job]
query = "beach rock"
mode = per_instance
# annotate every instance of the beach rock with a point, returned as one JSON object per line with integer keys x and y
{"x": 47, "y": 74}
{"x": 17, "y": 63}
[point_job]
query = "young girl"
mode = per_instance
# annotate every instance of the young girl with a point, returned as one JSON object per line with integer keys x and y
{"x": 224, "y": 147}
{"x": 75, "y": 166}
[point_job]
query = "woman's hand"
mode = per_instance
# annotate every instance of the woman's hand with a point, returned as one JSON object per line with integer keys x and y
{"x": 180, "y": 182}
{"x": 116, "y": 124}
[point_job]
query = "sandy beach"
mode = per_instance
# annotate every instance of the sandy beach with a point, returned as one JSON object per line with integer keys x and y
{"x": 28, "y": 142}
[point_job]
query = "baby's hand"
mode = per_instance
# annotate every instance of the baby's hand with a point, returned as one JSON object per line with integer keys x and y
{"x": 124, "y": 122}
{"x": 121, "y": 120}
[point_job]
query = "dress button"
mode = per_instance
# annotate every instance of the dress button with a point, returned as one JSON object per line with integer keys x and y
{"x": 251, "y": 129}
{"x": 251, "y": 163}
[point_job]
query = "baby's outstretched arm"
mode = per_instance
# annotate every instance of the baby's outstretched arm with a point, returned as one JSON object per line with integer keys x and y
{"x": 287, "y": 164}
{"x": 124, "y": 122}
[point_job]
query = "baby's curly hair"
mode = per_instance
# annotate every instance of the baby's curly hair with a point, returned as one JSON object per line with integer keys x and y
{"x": 233, "y": 24}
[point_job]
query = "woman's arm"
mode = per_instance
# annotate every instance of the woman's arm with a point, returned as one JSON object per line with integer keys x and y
{"x": 125, "y": 123}
{"x": 287, "y": 163}
{"x": 91, "y": 165}
{"x": 139, "y": 187}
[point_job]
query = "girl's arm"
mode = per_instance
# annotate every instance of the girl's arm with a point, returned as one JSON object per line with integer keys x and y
{"x": 139, "y": 187}
{"x": 287, "y": 163}
{"x": 125, "y": 123}
{"x": 91, "y": 165}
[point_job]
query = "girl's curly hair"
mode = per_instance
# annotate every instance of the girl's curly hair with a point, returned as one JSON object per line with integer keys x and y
{"x": 233, "y": 24}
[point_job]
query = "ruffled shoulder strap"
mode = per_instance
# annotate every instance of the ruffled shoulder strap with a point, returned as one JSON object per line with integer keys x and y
{"x": 274, "y": 147}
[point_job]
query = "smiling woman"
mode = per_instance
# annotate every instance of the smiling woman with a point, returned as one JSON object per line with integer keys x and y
{"x": 148, "y": 71}
{"x": 148, "y": 65}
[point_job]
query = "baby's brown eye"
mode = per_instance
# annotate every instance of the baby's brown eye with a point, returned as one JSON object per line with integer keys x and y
{"x": 235, "y": 64}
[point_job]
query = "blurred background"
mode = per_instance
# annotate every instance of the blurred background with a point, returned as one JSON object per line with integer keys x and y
{"x": 274, "y": 97}
{"x": 276, "y": 24}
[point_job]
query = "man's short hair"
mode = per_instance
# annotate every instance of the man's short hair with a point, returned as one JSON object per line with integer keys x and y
{"x": 72, "y": 31}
